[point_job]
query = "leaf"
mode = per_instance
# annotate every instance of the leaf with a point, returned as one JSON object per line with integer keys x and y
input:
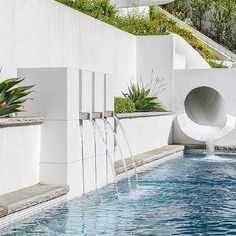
{"x": 142, "y": 98}
{"x": 12, "y": 99}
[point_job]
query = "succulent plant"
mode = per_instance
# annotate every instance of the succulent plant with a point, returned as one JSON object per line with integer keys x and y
{"x": 13, "y": 97}
{"x": 142, "y": 98}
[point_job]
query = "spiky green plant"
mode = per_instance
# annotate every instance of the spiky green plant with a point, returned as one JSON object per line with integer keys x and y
{"x": 12, "y": 98}
{"x": 142, "y": 98}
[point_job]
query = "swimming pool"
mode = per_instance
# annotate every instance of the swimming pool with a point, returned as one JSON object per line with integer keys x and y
{"x": 193, "y": 195}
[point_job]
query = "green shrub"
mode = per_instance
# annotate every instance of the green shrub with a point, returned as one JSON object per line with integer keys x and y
{"x": 172, "y": 27}
{"x": 124, "y": 105}
{"x": 214, "y": 18}
{"x": 100, "y": 9}
{"x": 12, "y": 99}
{"x": 216, "y": 65}
{"x": 143, "y": 100}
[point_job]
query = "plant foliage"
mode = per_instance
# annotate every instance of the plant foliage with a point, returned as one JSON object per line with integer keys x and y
{"x": 124, "y": 105}
{"x": 143, "y": 100}
{"x": 12, "y": 98}
{"x": 214, "y": 18}
{"x": 138, "y": 23}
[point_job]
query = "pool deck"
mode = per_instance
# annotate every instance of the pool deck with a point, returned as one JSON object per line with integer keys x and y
{"x": 28, "y": 197}
{"x": 148, "y": 157}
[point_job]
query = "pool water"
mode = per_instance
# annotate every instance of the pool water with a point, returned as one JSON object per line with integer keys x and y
{"x": 193, "y": 195}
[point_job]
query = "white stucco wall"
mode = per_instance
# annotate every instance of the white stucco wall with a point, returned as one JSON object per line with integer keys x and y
{"x": 145, "y": 134}
{"x": 47, "y": 34}
{"x": 155, "y": 54}
{"x": 19, "y": 157}
{"x": 193, "y": 59}
{"x": 64, "y": 159}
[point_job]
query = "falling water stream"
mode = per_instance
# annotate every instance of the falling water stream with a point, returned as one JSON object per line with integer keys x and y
{"x": 95, "y": 153}
{"x": 82, "y": 150}
{"x": 108, "y": 153}
{"x": 210, "y": 146}
{"x": 120, "y": 150}
{"x": 128, "y": 145}
{"x": 210, "y": 150}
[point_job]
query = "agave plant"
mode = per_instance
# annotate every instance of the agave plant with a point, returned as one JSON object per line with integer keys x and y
{"x": 12, "y": 98}
{"x": 142, "y": 98}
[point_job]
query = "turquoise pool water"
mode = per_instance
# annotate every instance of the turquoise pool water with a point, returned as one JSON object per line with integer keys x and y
{"x": 193, "y": 195}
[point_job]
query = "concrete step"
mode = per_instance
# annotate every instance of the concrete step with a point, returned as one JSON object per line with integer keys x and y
{"x": 19, "y": 200}
{"x": 147, "y": 157}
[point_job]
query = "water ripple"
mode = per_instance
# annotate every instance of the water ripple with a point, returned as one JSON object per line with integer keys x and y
{"x": 189, "y": 196}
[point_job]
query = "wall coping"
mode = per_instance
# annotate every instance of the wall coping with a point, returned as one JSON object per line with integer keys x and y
{"x": 142, "y": 114}
{"x": 28, "y": 197}
{"x": 20, "y": 121}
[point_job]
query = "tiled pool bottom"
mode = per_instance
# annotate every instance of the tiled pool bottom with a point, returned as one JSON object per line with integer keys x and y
{"x": 187, "y": 196}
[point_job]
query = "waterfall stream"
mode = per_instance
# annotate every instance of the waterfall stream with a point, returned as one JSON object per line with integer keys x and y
{"x": 108, "y": 153}
{"x": 128, "y": 145}
{"x": 210, "y": 146}
{"x": 82, "y": 150}
{"x": 120, "y": 150}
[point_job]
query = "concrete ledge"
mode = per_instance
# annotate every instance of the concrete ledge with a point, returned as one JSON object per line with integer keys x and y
{"x": 217, "y": 147}
{"x": 28, "y": 197}
{"x": 20, "y": 121}
{"x": 147, "y": 157}
{"x": 142, "y": 114}
{"x": 3, "y": 211}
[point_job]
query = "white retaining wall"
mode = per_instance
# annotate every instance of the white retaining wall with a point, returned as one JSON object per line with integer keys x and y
{"x": 19, "y": 158}
{"x": 155, "y": 54}
{"x": 162, "y": 54}
{"x": 46, "y": 33}
{"x": 144, "y": 134}
{"x": 193, "y": 59}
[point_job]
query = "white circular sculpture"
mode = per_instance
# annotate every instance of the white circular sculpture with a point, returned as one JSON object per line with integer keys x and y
{"x": 205, "y": 115}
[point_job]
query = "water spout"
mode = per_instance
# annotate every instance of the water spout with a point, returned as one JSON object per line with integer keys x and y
{"x": 120, "y": 150}
{"x": 128, "y": 145}
{"x": 108, "y": 152}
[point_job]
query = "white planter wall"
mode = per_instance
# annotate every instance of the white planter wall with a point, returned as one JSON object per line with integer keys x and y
{"x": 19, "y": 157}
{"x": 145, "y": 134}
